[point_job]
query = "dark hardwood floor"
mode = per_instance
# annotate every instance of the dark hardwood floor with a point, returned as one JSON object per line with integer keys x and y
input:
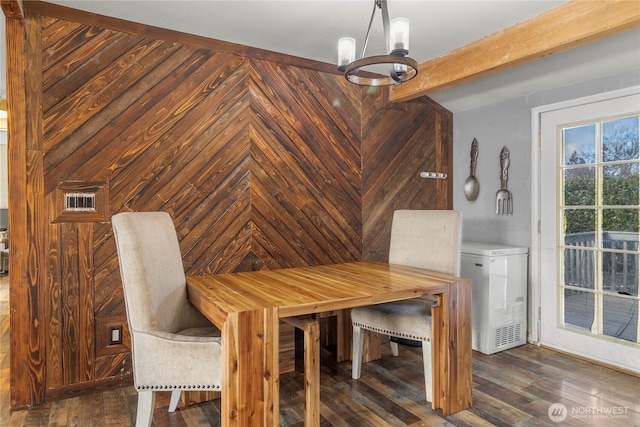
{"x": 516, "y": 387}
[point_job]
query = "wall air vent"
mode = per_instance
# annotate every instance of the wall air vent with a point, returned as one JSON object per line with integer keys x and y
{"x": 80, "y": 202}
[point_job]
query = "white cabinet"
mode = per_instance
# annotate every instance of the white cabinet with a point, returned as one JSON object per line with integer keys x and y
{"x": 499, "y": 275}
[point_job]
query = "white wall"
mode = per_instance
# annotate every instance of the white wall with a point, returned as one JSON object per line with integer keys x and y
{"x": 508, "y": 124}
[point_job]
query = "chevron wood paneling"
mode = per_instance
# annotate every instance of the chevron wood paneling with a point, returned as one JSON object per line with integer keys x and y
{"x": 253, "y": 160}
{"x": 261, "y": 165}
{"x": 398, "y": 142}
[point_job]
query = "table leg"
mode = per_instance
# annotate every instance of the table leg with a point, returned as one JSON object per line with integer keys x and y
{"x": 250, "y": 394}
{"x": 451, "y": 349}
{"x": 311, "y": 329}
{"x": 345, "y": 332}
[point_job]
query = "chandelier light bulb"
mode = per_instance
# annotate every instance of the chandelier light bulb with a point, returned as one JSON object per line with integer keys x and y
{"x": 399, "y": 37}
{"x": 346, "y": 52}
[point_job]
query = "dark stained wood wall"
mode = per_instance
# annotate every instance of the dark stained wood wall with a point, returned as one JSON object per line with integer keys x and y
{"x": 261, "y": 163}
{"x": 398, "y": 142}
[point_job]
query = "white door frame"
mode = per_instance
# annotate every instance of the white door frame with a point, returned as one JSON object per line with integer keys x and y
{"x": 535, "y": 255}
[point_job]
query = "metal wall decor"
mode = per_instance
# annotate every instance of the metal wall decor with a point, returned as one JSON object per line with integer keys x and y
{"x": 504, "y": 200}
{"x": 471, "y": 185}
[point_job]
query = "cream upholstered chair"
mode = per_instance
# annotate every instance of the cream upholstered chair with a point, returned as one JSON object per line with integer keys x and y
{"x": 173, "y": 346}
{"x": 429, "y": 239}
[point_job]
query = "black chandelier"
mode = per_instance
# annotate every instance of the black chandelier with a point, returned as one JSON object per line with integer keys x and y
{"x": 396, "y": 34}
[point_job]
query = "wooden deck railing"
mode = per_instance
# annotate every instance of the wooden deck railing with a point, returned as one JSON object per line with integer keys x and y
{"x": 619, "y": 269}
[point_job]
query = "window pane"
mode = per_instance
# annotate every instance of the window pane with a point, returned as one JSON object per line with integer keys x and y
{"x": 625, "y": 241}
{"x": 579, "y": 268}
{"x": 579, "y": 145}
{"x": 578, "y": 308}
{"x": 620, "y": 273}
{"x": 620, "y": 185}
{"x": 620, "y": 318}
{"x": 581, "y": 222}
{"x": 580, "y": 186}
{"x": 620, "y": 140}
{"x": 621, "y": 220}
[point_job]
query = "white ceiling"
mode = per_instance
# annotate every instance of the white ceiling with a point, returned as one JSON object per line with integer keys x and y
{"x": 311, "y": 28}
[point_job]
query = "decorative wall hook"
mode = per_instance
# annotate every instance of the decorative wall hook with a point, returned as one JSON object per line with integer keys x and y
{"x": 433, "y": 175}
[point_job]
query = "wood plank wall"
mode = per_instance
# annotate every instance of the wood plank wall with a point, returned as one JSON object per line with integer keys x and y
{"x": 261, "y": 163}
{"x": 398, "y": 142}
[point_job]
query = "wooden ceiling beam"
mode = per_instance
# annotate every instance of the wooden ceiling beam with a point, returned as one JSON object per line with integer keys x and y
{"x": 573, "y": 24}
{"x": 12, "y": 9}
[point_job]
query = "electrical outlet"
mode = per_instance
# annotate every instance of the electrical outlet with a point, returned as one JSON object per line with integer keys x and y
{"x": 115, "y": 335}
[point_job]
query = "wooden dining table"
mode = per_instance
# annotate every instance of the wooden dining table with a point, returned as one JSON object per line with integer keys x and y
{"x": 248, "y": 307}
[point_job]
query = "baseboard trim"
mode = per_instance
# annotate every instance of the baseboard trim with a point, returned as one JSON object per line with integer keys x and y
{"x": 595, "y": 362}
{"x": 96, "y": 386}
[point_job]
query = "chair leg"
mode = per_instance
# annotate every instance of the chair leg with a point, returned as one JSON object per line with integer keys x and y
{"x": 428, "y": 375}
{"x": 356, "y": 357}
{"x": 394, "y": 348}
{"x": 175, "y": 399}
{"x": 146, "y": 401}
